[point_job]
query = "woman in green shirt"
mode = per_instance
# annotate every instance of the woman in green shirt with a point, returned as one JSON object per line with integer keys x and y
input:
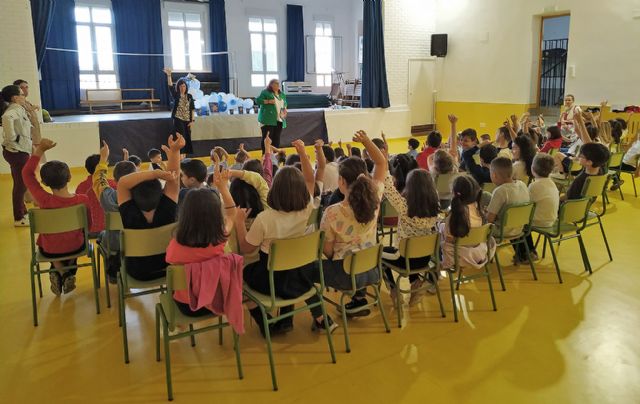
{"x": 273, "y": 112}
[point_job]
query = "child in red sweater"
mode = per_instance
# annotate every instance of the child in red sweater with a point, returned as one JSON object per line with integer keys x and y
{"x": 55, "y": 175}
{"x": 85, "y": 188}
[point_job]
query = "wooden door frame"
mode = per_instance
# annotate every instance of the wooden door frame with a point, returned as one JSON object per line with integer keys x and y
{"x": 540, "y": 39}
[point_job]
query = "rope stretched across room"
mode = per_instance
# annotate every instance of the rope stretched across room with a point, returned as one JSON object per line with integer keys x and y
{"x": 139, "y": 54}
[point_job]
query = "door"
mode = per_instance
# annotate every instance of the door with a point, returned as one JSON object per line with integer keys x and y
{"x": 420, "y": 91}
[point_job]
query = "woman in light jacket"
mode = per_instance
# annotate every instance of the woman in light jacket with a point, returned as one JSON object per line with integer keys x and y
{"x": 16, "y": 147}
{"x": 273, "y": 112}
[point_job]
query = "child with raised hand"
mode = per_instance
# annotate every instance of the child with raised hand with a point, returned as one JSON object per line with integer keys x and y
{"x": 291, "y": 201}
{"x": 466, "y": 213}
{"x": 240, "y": 158}
{"x": 85, "y": 188}
{"x": 417, "y": 206}
{"x": 205, "y": 221}
{"x": 350, "y": 225}
{"x": 144, "y": 204}
{"x": 108, "y": 197}
{"x": 55, "y": 175}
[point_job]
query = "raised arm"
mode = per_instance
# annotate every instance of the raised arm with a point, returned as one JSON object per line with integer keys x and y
{"x": 126, "y": 183}
{"x": 512, "y": 132}
{"x": 172, "y": 188}
{"x": 255, "y": 180}
{"x": 267, "y": 163}
{"x": 99, "y": 180}
{"x": 453, "y": 134}
{"x": 221, "y": 182}
{"x": 168, "y": 71}
{"x": 581, "y": 128}
{"x": 29, "y": 171}
{"x": 321, "y": 160}
{"x": 307, "y": 170}
{"x": 380, "y": 167}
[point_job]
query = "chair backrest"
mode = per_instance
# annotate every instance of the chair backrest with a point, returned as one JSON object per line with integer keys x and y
{"x": 113, "y": 221}
{"x": 476, "y": 236}
{"x": 574, "y": 211}
{"x": 292, "y": 253}
{"x": 594, "y": 186}
{"x": 575, "y": 166}
{"x": 176, "y": 278}
{"x": 387, "y": 210}
{"x": 146, "y": 242}
{"x": 615, "y": 160}
{"x": 443, "y": 183}
{"x": 553, "y": 151}
{"x": 51, "y": 221}
{"x": 362, "y": 261}
{"x": 314, "y": 218}
{"x": 420, "y": 246}
{"x": 516, "y": 215}
{"x": 488, "y": 187}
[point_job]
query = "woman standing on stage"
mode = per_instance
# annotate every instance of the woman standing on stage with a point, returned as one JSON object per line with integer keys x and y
{"x": 273, "y": 112}
{"x": 183, "y": 113}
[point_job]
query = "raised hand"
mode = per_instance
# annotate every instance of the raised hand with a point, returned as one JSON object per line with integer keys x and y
{"x": 220, "y": 177}
{"x": 104, "y": 152}
{"x": 452, "y": 118}
{"x": 360, "y": 136}
{"x": 167, "y": 71}
{"x": 176, "y": 144}
{"x": 46, "y": 144}
{"x": 125, "y": 154}
{"x": 318, "y": 143}
{"x": 241, "y": 147}
{"x": 242, "y": 214}
{"x": 166, "y": 175}
{"x": 299, "y": 145}
{"x": 267, "y": 143}
{"x": 340, "y": 144}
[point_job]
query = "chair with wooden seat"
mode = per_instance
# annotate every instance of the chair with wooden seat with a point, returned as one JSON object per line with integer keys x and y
{"x": 308, "y": 251}
{"x": 572, "y": 219}
{"x": 595, "y": 186}
{"x": 387, "y": 221}
{"x": 52, "y": 221}
{"x": 354, "y": 264}
{"x": 412, "y": 248}
{"x": 477, "y": 235}
{"x": 514, "y": 216}
{"x": 169, "y": 316}
{"x": 112, "y": 223}
{"x": 139, "y": 243}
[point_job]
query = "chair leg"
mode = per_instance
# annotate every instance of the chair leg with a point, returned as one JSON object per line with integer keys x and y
{"x": 493, "y": 298}
{"x": 633, "y": 180}
{"x": 157, "y": 333}
{"x": 167, "y": 356}
{"x": 123, "y": 319}
{"x": 533, "y": 269}
{"x": 585, "y": 257}
{"x": 107, "y": 292}
{"x": 620, "y": 190}
{"x": 343, "y": 312}
{"x": 439, "y": 296}
{"x": 236, "y": 347}
{"x": 326, "y": 326}
{"x": 453, "y": 297}
{"x": 96, "y": 282}
{"x": 376, "y": 289}
{"x": 39, "y": 279}
{"x": 555, "y": 259}
{"x": 267, "y": 336}
{"x": 33, "y": 297}
{"x": 220, "y": 330}
{"x": 499, "y": 271}
{"x": 399, "y": 302}
{"x": 193, "y": 337}
{"x": 604, "y": 237}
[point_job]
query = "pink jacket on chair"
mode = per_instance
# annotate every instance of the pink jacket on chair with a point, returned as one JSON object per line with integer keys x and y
{"x": 216, "y": 284}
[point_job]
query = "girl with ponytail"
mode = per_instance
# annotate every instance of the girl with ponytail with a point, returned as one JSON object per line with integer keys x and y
{"x": 466, "y": 213}
{"x": 350, "y": 225}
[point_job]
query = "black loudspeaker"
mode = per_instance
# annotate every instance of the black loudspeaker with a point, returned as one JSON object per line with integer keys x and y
{"x": 439, "y": 45}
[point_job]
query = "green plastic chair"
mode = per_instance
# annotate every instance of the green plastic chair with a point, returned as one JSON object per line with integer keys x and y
{"x": 168, "y": 316}
{"x": 308, "y": 250}
{"x": 417, "y": 247}
{"x": 443, "y": 186}
{"x": 513, "y": 216}
{"x": 387, "y": 211}
{"x": 360, "y": 262}
{"x": 488, "y": 187}
{"x": 139, "y": 243}
{"x": 633, "y": 176}
{"x": 476, "y": 236}
{"x": 563, "y": 183}
{"x": 52, "y": 221}
{"x": 595, "y": 186}
{"x": 613, "y": 168}
{"x": 572, "y": 219}
{"x": 314, "y": 218}
{"x": 112, "y": 222}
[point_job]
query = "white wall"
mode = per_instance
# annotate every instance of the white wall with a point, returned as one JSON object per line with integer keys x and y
{"x": 493, "y": 49}
{"x": 339, "y": 12}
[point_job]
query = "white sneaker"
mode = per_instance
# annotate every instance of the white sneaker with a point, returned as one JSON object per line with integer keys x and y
{"x": 416, "y": 293}
{"x": 24, "y": 222}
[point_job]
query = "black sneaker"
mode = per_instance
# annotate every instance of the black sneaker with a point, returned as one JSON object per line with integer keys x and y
{"x": 68, "y": 282}
{"x": 56, "y": 282}
{"x": 282, "y": 326}
{"x": 257, "y": 317}
{"x": 617, "y": 185}
{"x": 354, "y": 304}
{"x": 319, "y": 325}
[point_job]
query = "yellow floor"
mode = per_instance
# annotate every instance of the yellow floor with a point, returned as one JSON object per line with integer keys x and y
{"x": 547, "y": 343}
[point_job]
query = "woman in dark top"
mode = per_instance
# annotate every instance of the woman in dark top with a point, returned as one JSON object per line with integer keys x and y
{"x": 183, "y": 112}
{"x": 273, "y": 112}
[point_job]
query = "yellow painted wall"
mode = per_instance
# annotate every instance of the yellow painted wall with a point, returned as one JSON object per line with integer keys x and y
{"x": 483, "y": 117}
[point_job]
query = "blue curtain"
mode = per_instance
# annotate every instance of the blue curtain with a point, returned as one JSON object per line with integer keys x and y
{"x": 138, "y": 27}
{"x": 295, "y": 43}
{"x": 375, "y": 93}
{"x": 218, "y": 28}
{"x": 60, "y": 84}
{"x": 42, "y": 17}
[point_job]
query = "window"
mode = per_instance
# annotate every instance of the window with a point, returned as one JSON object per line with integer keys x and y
{"x": 264, "y": 50}
{"x": 324, "y": 54}
{"x": 186, "y": 40}
{"x": 94, "y": 28}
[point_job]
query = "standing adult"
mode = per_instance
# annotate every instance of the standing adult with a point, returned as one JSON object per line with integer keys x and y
{"x": 183, "y": 113}
{"x": 16, "y": 148}
{"x": 566, "y": 119}
{"x": 273, "y": 112}
{"x": 32, "y": 112}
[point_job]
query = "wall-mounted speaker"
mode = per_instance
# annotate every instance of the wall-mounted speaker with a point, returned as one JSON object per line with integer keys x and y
{"x": 439, "y": 45}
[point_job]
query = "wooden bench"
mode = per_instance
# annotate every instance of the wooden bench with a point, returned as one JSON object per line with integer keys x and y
{"x": 113, "y": 98}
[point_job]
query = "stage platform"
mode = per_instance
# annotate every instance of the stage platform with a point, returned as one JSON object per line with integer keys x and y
{"x": 78, "y": 136}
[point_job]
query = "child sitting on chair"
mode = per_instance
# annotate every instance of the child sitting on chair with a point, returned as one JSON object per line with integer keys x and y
{"x": 155, "y": 157}
{"x": 544, "y": 193}
{"x": 85, "y": 188}
{"x": 508, "y": 191}
{"x": 56, "y": 175}
{"x": 193, "y": 175}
